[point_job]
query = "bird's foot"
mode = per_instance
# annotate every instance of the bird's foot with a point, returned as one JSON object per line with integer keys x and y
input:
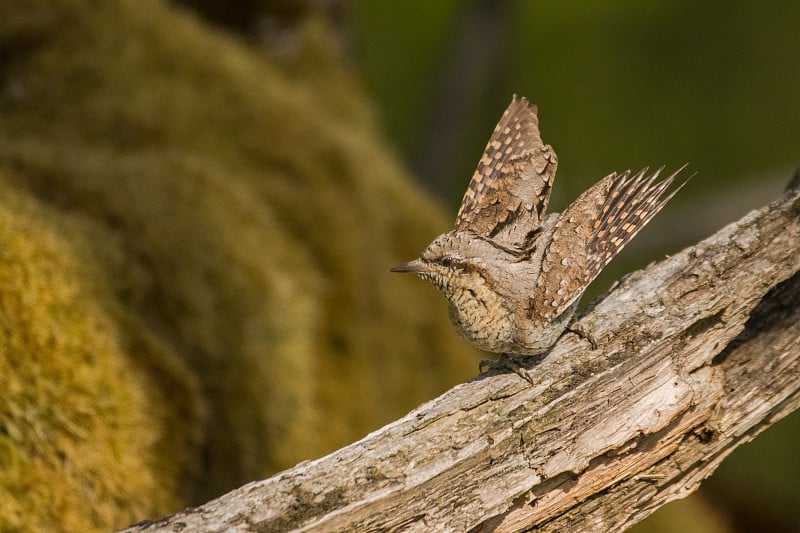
{"x": 504, "y": 363}
{"x": 578, "y": 330}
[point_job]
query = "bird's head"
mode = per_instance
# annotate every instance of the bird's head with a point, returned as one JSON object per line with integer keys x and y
{"x": 452, "y": 262}
{"x": 472, "y": 273}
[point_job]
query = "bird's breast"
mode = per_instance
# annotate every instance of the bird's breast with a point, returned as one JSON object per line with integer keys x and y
{"x": 481, "y": 317}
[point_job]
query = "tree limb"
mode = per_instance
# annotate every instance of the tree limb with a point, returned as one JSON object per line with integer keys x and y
{"x": 697, "y": 354}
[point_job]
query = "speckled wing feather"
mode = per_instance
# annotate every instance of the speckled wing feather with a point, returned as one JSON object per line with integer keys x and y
{"x": 592, "y": 230}
{"x": 508, "y": 194}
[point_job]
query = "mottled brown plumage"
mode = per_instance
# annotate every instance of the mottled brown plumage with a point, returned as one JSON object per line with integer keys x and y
{"x": 512, "y": 274}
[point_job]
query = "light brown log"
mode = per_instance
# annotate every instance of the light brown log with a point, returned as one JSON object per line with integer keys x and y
{"x": 695, "y": 355}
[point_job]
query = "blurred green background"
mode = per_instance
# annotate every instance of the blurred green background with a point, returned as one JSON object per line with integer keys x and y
{"x": 200, "y": 201}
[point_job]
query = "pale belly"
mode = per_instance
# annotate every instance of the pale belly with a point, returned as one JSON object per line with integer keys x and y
{"x": 499, "y": 332}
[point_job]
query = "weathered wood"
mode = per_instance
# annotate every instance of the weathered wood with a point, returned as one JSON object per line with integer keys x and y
{"x": 697, "y": 354}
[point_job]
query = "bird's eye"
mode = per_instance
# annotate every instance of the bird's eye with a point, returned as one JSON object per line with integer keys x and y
{"x": 448, "y": 261}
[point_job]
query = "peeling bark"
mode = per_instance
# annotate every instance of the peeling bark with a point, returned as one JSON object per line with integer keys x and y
{"x": 696, "y": 355}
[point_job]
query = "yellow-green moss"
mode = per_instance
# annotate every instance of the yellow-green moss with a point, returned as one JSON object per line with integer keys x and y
{"x": 85, "y": 441}
{"x": 254, "y": 211}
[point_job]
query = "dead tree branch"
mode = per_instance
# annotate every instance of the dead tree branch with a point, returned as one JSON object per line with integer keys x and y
{"x": 696, "y": 355}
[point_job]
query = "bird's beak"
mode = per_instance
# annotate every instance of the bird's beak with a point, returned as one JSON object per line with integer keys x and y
{"x": 416, "y": 266}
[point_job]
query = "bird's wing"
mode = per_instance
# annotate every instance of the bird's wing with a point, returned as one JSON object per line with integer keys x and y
{"x": 508, "y": 194}
{"x": 591, "y": 231}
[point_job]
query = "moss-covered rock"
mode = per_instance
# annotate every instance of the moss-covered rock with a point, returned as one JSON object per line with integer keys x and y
{"x": 186, "y": 201}
{"x": 86, "y": 440}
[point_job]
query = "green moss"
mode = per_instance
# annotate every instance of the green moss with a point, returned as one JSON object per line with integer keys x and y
{"x": 252, "y": 211}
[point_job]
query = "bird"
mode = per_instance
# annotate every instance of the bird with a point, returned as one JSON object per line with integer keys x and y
{"x": 512, "y": 273}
